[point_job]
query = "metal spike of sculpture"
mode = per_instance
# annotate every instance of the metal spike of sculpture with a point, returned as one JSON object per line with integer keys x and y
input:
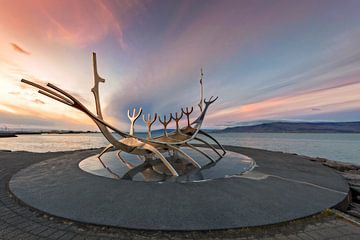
{"x": 187, "y": 113}
{"x": 133, "y": 119}
{"x": 165, "y": 123}
{"x": 177, "y": 119}
{"x": 150, "y": 148}
{"x": 149, "y": 123}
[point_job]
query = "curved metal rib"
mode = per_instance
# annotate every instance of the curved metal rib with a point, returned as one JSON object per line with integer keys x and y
{"x": 135, "y": 170}
{"x": 49, "y": 92}
{"x": 198, "y": 150}
{"x": 212, "y": 138}
{"x": 108, "y": 169}
{"x": 107, "y": 148}
{"x": 207, "y": 144}
{"x": 196, "y": 164}
{"x": 129, "y": 165}
{"x": 162, "y": 158}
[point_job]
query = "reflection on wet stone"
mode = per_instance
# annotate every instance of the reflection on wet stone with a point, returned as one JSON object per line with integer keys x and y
{"x": 135, "y": 169}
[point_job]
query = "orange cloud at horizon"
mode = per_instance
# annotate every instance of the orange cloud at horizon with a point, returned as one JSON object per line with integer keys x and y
{"x": 39, "y": 115}
{"x": 340, "y": 98}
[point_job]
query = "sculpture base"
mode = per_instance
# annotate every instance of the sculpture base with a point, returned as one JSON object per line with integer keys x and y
{"x": 282, "y": 187}
{"x": 131, "y": 167}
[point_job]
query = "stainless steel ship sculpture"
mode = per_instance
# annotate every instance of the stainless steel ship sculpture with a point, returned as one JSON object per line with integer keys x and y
{"x": 151, "y": 148}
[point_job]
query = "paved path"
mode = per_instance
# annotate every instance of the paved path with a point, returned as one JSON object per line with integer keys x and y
{"x": 19, "y": 222}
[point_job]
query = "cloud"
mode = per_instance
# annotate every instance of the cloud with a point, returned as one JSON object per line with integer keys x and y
{"x": 76, "y": 23}
{"x": 15, "y": 93}
{"x": 264, "y": 60}
{"x": 334, "y": 99}
{"x": 167, "y": 78}
{"x": 38, "y": 101}
{"x": 325, "y": 82}
{"x": 8, "y": 118}
{"x": 16, "y": 114}
{"x": 19, "y": 49}
{"x": 330, "y": 69}
{"x": 79, "y": 27}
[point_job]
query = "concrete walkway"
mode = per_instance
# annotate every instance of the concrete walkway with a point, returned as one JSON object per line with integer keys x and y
{"x": 20, "y": 222}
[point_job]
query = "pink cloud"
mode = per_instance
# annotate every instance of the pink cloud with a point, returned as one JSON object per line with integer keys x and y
{"x": 38, "y": 101}
{"x": 78, "y": 23}
{"x": 343, "y": 97}
{"x": 19, "y": 49}
{"x": 83, "y": 23}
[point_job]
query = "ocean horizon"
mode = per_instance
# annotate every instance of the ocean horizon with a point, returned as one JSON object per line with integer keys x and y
{"x": 333, "y": 146}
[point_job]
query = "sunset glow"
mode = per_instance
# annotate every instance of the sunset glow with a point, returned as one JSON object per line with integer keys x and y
{"x": 266, "y": 60}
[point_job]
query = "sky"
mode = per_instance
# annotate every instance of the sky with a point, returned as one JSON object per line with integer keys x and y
{"x": 265, "y": 59}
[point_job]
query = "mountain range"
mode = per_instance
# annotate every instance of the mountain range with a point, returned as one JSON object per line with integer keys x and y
{"x": 298, "y": 127}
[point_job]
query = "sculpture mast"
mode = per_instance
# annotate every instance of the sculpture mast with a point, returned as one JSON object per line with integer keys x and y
{"x": 201, "y": 91}
{"x": 95, "y": 89}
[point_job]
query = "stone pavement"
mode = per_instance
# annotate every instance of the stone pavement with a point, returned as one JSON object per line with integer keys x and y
{"x": 20, "y": 222}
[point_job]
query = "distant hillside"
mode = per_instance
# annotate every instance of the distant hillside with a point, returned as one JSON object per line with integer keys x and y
{"x": 16, "y": 132}
{"x": 6, "y": 135}
{"x": 299, "y": 127}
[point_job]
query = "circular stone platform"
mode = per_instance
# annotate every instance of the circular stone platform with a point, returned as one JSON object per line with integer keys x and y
{"x": 282, "y": 187}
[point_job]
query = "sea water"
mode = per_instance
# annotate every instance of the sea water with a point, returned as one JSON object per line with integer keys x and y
{"x": 339, "y": 147}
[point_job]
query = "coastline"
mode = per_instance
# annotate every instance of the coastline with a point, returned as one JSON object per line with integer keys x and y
{"x": 7, "y": 135}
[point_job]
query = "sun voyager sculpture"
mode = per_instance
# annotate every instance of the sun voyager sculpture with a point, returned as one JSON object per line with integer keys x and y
{"x": 166, "y": 149}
